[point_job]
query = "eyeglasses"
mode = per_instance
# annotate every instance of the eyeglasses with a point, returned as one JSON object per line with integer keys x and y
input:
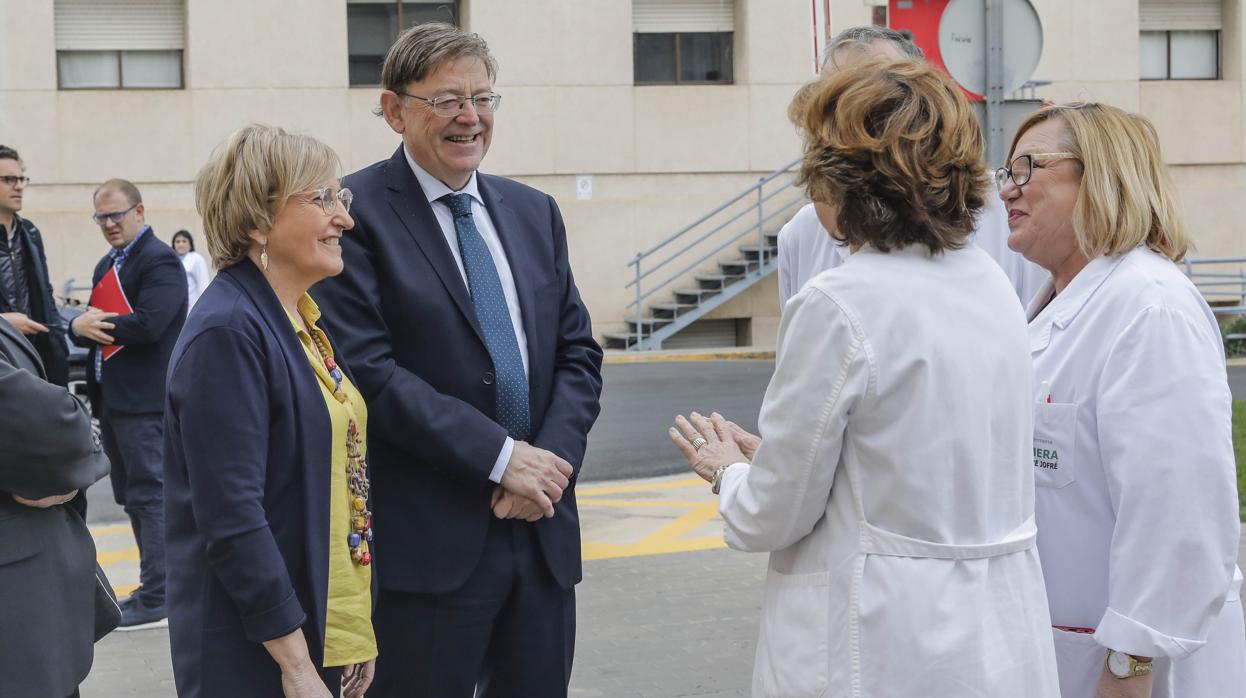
{"x": 328, "y": 198}
{"x": 114, "y": 218}
{"x": 1023, "y": 167}
{"x": 452, "y": 105}
{"x": 14, "y": 180}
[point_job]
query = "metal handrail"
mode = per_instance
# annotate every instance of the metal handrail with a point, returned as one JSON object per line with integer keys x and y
{"x": 760, "y": 183}
{"x": 694, "y": 235}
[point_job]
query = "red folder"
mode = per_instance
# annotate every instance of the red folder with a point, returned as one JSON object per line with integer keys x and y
{"x": 110, "y": 297}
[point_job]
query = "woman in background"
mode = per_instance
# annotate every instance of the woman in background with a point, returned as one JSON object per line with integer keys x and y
{"x": 196, "y": 268}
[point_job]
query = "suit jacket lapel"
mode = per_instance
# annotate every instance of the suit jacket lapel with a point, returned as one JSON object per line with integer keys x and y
{"x": 411, "y": 206}
{"x": 511, "y": 231}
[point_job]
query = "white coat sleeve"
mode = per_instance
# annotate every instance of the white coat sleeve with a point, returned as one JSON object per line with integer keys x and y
{"x": 1164, "y": 426}
{"x": 821, "y": 374}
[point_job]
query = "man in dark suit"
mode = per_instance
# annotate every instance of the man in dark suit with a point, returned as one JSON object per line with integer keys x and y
{"x": 25, "y": 292}
{"x": 127, "y": 389}
{"x": 47, "y": 557}
{"x": 459, "y": 316}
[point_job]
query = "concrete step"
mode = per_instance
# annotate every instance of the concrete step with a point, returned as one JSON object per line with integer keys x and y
{"x": 618, "y": 340}
{"x": 670, "y": 310}
{"x": 716, "y": 282}
{"x": 738, "y": 267}
{"x": 694, "y": 296}
{"x": 750, "y": 252}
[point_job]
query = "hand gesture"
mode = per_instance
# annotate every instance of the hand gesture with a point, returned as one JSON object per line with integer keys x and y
{"x": 746, "y": 440}
{"x": 706, "y": 443}
{"x": 538, "y": 475}
{"x": 94, "y": 325}
{"x": 22, "y": 323}
{"x": 356, "y": 678}
{"x": 54, "y": 500}
{"x": 506, "y": 505}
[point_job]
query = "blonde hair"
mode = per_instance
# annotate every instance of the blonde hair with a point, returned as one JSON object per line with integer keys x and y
{"x": 1126, "y": 197}
{"x": 249, "y": 178}
{"x": 894, "y": 146}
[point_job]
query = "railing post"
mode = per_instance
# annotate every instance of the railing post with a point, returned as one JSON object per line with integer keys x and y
{"x": 761, "y": 227}
{"x": 637, "y": 345}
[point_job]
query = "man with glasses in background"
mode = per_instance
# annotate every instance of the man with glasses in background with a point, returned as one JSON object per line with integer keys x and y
{"x": 127, "y": 388}
{"x": 463, "y": 328}
{"x": 26, "y": 299}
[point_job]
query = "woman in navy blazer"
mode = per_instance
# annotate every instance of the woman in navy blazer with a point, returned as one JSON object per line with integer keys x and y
{"x": 251, "y": 438}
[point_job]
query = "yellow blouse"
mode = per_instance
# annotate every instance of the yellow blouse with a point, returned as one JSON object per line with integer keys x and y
{"x": 348, "y": 623}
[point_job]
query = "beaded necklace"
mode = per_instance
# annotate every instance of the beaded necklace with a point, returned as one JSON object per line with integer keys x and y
{"x": 360, "y": 535}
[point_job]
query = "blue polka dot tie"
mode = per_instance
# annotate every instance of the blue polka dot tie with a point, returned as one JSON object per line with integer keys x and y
{"x": 495, "y": 320}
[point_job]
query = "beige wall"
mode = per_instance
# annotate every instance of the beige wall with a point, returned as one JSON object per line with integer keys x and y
{"x": 660, "y": 155}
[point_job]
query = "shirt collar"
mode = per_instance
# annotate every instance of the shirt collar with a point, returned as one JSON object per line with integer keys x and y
{"x": 114, "y": 253}
{"x": 434, "y": 188}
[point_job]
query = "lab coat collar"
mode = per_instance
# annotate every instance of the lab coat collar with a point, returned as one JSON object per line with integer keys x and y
{"x": 1064, "y": 308}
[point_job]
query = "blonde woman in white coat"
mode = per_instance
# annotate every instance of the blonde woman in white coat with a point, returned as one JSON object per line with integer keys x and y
{"x": 1133, "y": 454}
{"x": 893, "y": 487}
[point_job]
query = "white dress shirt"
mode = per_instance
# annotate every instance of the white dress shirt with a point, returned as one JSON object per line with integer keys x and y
{"x": 434, "y": 189}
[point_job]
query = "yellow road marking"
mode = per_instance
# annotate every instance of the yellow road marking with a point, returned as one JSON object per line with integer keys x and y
{"x": 699, "y": 516}
{"x": 643, "y": 487}
{"x": 112, "y": 557}
{"x": 113, "y": 530}
{"x": 124, "y": 590}
{"x": 638, "y": 503}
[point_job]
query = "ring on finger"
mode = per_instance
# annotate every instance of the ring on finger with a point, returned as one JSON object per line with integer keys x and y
{"x": 698, "y": 442}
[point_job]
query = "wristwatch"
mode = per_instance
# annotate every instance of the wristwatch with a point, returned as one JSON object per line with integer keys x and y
{"x": 718, "y": 477}
{"x": 1126, "y": 666}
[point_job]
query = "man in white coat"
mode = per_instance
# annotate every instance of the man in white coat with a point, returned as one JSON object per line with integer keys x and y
{"x": 805, "y": 247}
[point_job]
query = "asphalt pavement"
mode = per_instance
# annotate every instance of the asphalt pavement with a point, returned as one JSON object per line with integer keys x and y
{"x": 638, "y": 402}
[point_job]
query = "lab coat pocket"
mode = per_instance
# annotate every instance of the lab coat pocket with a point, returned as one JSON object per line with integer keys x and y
{"x": 792, "y": 650}
{"x": 1055, "y": 435}
{"x": 1080, "y": 661}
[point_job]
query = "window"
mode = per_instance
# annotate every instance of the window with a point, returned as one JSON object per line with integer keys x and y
{"x": 372, "y": 26}
{"x": 124, "y": 44}
{"x": 1179, "y": 40}
{"x": 683, "y": 41}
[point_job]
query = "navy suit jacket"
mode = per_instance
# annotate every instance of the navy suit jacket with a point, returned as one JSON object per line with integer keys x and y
{"x": 409, "y": 332}
{"x": 154, "y": 282}
{"x": 246, "y": 491}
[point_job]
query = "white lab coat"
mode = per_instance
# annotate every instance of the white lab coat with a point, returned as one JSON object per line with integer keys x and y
{"x": 806, "y": 250}
{"x": 1137, "y": 497}
{"x": 893, "y": 488}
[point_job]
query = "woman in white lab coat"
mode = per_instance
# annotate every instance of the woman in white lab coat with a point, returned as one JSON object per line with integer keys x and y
{"x": 892, "y": 486}
{"x": 1133, "y": 456}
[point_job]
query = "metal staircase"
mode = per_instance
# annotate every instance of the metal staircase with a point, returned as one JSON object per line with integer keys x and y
{"x": 707, "y": 263}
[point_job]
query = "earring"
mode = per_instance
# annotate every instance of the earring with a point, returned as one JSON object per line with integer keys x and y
{"x": 264, "y": 258}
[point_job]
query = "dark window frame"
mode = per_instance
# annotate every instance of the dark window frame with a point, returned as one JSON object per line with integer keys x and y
{"x": 457, "y": 8}
{"x": 181, "y": 70}
{"x": 729, "y": 80}
{"x": 1168, "y": 56}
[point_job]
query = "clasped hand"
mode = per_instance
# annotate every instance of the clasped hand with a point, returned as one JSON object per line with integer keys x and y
{"x": 45, "y": 502}
{"x": 533, "y": 482}
{"x": 725, "y": 442}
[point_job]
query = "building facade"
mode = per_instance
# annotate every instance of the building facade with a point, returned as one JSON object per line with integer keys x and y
{"x": 638, "y": 116}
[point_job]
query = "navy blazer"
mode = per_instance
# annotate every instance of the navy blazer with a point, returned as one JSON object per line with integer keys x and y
{"x": 51, "y": 346}
{"x": 246, "y": 491}
{"x": 409, "y": 331}
{"x": 154, "y": 282}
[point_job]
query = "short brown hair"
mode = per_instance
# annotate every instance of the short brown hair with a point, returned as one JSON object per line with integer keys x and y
{"x": 247, "y": 181}
{"x": 1126, "y": 197}
{"x": 894, "y": 146}
{"x": 123, "y": 186}
{"x": 422, "y": 48}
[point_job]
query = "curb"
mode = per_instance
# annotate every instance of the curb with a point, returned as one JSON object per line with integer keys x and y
{"x": 1236, "y": 362}
{"x": 617, "y": 356}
